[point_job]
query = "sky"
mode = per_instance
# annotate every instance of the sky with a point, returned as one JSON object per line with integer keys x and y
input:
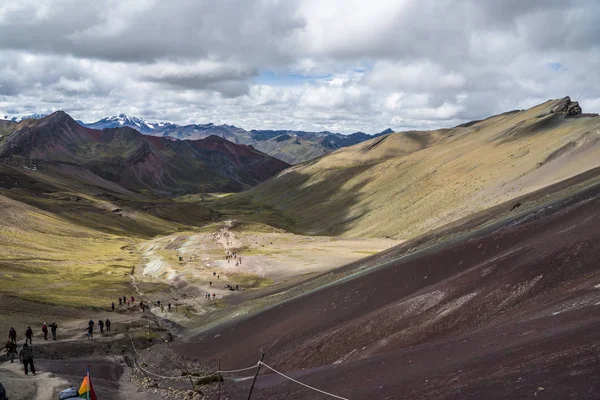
{"x": 337, "y": 65}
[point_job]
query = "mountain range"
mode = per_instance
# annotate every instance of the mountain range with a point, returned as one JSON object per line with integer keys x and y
{"x": 290, "y": 146}
{"x": 123, "y": 155}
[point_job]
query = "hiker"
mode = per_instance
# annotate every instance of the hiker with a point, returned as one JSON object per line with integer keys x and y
{"x": 29, "y": 335}
{"x": 158, "y": 302}
{"x": 107, "y": 323}
{"x": 162, "y": 308}
{"x": 132, "y": 299}
{"x": 120, "y": 301}
{"x": 26, "y": 357}
{"x": 12, "y": 335}
{"x": 101, "y": 325}
{"x": 214, "y": 274}
{"x": 210, "y": 283}
{"x": 169, "y": 307}
{"x": 214, "y": 295}
{"x": 124, "y": 299}
{"x": 142, "y": 305}
{"x": 237, "y": 287}
{"x": 53, "y": 327}
{"x": 11, "y": 350}
{"x": 90, "y": 330}
{"x": 113, "y": 306}
{"x": 45, "y": 331}
{"x": 240, "y": 260}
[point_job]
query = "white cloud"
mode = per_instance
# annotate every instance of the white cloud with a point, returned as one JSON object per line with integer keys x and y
{"x": 342, "y": 65}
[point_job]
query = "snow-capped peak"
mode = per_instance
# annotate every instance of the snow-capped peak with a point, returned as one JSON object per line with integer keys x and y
{"x": 122, "y": 120}
{"x": 19, "y": 118}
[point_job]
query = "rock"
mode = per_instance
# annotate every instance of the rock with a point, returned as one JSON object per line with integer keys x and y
{"x": 567, "y": 107}
{"x": 573, "y": 109}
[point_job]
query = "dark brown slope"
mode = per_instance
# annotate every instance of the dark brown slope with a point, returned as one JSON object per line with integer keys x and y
{"x": 142, "y": 163}
{"x": 495, "y": 315}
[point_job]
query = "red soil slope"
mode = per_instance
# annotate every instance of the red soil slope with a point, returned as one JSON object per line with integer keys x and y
{"x": 513, "y": 312}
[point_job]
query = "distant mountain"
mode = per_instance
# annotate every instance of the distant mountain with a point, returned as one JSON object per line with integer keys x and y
{"x": 290, "y": 146}
{"x": 19, "y": 118}
{"x": 139, "y": 162}
{"x": 124, "y": 120}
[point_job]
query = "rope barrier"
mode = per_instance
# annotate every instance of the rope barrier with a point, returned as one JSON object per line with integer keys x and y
{"x": 237, "y": 370}
{"x": 303, "y": 384}
{"x": 187, "y": 376}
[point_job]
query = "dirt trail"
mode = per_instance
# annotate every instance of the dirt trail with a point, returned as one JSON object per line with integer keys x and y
{"x": 43, "y": 386}
{"x": 236, "y": 254}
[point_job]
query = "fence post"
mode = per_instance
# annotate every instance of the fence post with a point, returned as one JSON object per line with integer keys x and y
{"x": 262, "y": 357}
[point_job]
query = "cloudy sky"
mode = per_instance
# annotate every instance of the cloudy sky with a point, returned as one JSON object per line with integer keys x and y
{"x": 339, "y": 65}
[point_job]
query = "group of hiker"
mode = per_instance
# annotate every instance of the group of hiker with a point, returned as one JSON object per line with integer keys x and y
{"x": 25, "y": 353}
{"x": 124, "y": 301}
{"x": 101, "y": 325}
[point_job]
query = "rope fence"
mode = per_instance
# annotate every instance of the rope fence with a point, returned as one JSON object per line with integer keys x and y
{"x": 258, "y": 364}
{"x": 303, "y": 384}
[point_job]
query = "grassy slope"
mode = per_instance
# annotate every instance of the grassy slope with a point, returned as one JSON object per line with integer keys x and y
{"x": 61, "y": 241}
{"x": 407, "y": 183}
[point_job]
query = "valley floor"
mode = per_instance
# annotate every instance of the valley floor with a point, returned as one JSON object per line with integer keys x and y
{"x": 503, "y": 304}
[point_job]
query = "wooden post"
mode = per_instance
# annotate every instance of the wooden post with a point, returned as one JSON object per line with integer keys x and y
{"x": 219, "y": 379}
{"x": 262, "y": 357}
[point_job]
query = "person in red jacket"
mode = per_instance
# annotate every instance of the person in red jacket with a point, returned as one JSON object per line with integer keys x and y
{"x": 45, "y": 330}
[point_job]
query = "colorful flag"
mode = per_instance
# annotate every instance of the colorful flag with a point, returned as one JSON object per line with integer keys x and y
{"x": 86, "y": 391}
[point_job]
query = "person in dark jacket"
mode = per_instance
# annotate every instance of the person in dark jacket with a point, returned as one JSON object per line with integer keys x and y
{"x": 29, "y": 335}
{"x": 113, "y": 306}
{"x": 12, "y": 335}
{"x": 90, "y": 330}
{"x": 26, "y": 357}
{"x": 11, "y": 350}
{"x": 107, "y": 323}
{"x": 45, "y": 331}
{"x": 53, "y": 328}
{"x": 101, "y": 325}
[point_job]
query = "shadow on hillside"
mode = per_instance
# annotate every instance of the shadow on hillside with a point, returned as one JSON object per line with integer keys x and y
{"x": 322, "y": 204}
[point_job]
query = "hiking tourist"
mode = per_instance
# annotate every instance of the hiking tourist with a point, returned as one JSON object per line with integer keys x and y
{"x": 169, "y": 307}
{"x": 12, "y": 335}
{"x": 45, "y": 331}
{"x": 11, "y": 350}
{"x": 120, "y": 301}
{"x": 132, "y": 299}
{"x": 210, "y": 283}
{"x": 26, "y": 357}
{"x": 107, "y": 323}
{"x": 101, "y": 325}
{"x": 113, "y": 306}
{"x": 29, "y": 335}
{"x": 53, "y": 327}
{"x": 90, "y": 330}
